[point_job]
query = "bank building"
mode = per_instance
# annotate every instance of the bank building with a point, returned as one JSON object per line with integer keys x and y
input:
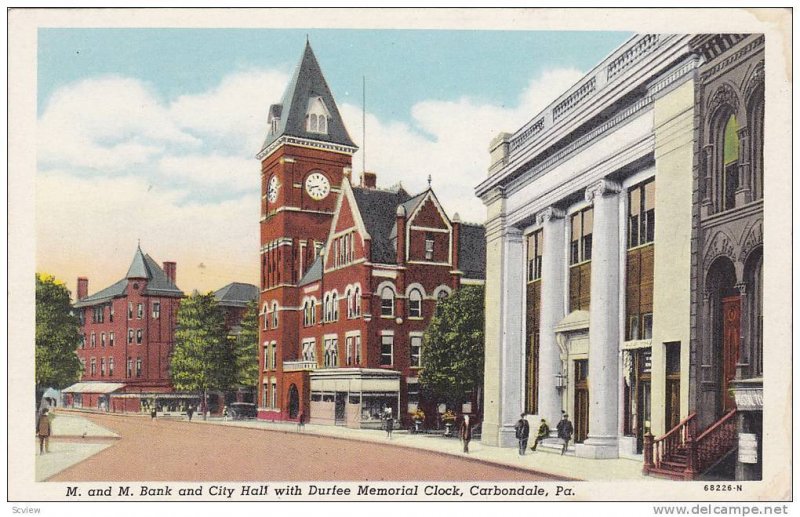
{"x": 591, "y": 276}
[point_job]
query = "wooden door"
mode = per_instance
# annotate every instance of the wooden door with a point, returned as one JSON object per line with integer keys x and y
{"x": 731, "y": 334}
{"x": 673, "y": 403}
{"x": 581, "y": 418}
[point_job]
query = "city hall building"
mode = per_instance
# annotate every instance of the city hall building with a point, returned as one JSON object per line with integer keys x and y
{"x": 588, "y": 274}
{"x": 350, "y": 273}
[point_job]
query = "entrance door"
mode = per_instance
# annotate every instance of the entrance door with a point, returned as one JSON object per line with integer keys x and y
{"x": 339, "y": 407}
{"x": 581, "y": 400}
{"x": 643, "y": 418}
{"x": 731, "y": 333}
{"x": 672, "y": 400}
{"x": 294, "y": 401}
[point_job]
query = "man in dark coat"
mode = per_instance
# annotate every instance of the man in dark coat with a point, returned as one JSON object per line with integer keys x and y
{"x": 522, "y": 430}
{"x": 465, "y": 430}
{"x": 564, "y": 429}
{"x": 541, "y": 433}
{"x": 388, "y": 422}
{"x": 190, "y": 412}
{"x": 43, "y": 431}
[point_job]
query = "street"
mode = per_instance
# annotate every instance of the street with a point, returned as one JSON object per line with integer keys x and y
{"x": 177, "y": 450}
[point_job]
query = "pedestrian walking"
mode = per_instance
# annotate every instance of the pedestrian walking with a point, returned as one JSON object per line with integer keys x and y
{"x": 225, "y": 413}
{"x": 388, "y": 421}
{"x": 465, "y": 431}
{"x": 542, "y": 433}
{"x": 522, "y": 430}
{"x": 301, "y": 422}
{"x": 190, "y": 412}
{"x": 564, "y": 429}
{"x": 43, "y": 431}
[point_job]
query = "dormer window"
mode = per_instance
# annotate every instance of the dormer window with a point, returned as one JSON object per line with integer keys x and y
{"x": 273, "y": 127}
{"x": 317, "y": 116}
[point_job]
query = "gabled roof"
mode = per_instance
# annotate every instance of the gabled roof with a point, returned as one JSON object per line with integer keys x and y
{"x": 236, "y": 294}
{"x": 409, "y": 207}
{"x": 307, "y": 82}
{"x": 472, "y": 251}
{"x": 314, "y": 273}
{"x": 142, "y": 266}
{"x": 378, "y": 210}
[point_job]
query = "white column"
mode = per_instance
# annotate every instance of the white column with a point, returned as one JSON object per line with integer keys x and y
{"x": 512, "y": 344}
{"x": 552, "y": 312}
{"x": 603, "y": 324}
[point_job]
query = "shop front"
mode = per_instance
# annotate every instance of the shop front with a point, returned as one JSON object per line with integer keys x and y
{"x": 354, "y": 397}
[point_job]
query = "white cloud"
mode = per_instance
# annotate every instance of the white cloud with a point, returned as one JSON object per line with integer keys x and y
{"x": 118, "y": 164}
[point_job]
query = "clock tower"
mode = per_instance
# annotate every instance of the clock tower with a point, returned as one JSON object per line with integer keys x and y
{"x": 306, "y": 154}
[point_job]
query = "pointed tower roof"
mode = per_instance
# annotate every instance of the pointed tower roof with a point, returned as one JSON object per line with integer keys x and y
{"x": 138, "y": 267}
{"x": 306, "y": 88}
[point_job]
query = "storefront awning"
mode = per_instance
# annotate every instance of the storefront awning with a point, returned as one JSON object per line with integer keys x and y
{"x": 94, "y": 387}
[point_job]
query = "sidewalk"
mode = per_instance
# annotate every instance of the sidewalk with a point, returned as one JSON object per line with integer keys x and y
{"x": 64, "y": 454}
{"x": 544, "y": 462}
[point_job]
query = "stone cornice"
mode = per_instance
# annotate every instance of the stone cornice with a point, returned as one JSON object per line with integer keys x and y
{"x": 305, "y": 142}
{"x": 730, "y": 60}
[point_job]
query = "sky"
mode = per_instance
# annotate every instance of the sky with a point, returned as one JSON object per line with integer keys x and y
{"x": 150, "y": 135}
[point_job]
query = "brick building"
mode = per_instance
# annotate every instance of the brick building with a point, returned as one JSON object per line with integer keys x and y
{"x": 350, "y": 275}
{"x": 128, "y": 334}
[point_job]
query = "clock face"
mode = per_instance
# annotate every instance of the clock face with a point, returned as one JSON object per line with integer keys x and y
{"x": 272, "y": 189}
{"x": 317, "y": 186}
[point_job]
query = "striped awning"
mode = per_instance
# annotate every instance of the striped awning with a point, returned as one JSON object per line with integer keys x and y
{"x": 94, "y": 387}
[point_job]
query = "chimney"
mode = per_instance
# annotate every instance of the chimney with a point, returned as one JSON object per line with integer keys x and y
{"x": 498, "y": 151}
{"x": 83, "y": 287}
{"x": 401, "y": 235}
{"x": 369, "y": 179}
{"x": 456, "y": 241}
{"x": 170, "y": 270}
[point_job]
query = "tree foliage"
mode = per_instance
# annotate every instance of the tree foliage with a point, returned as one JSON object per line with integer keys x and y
{"x": 246, "y": 351}
{"x": 202, "y": 358}
{"x": 453, "y": 347}
{"x": 57, "y": 335}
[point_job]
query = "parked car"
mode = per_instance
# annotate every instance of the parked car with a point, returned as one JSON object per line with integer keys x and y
{"x": 242, "y": 410}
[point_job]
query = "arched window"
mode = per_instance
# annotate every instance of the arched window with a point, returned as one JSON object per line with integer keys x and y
{"x": 274, "y": 315}
{"x": 348, "y": 295}
{"x": 335, "y": 306}
{"x": 317, "y": 116}
{"x": 322, "y": 124}
{"x": 326, "y": 307}
{"x": 730, "y": 162}
{"x": 415, "y": 304}
{"x": 387, "y": 302}
{"x": 755, "y": 116}
{"x": 312, "y": 122}
{"x": 357, "y": 302}
{"x": 265, "y": 314}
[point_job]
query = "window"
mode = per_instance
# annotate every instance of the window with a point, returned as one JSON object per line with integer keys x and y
{"x": 138, "y": 367}
{"x": 102, "y": 340}
{"x": 416, "y": 351}
{"x": 274, "y": 391}
{"x": 82, "y": 317}
{"x": 97, "y": 314}
{"x": 274, "y": 356}
{"x": 348, "y": 295}
{"x": 581, "y": 236}
{"x": 633, "y": 327}
{"x": 358, "y": 349}
{"x": 308, "y": 312}
{"x": 83, "y": 341}
{"x": 308, "y": 350}
{"x": 111, "y": 313}
{"x": 111, "y": 339}
{"x": 730, "y": 162}
{"x": 326, "y": 307}
{"x": 130, "y": 368}
{"x": 265, "y": 313}
{"x": 348, "y": 350}
{"x": 266, "y": 356}
{"x": 110, "y": 366}
{"x": 335, "y": 306}
{"x": 357, "y": 302}
{"x": 317, "y": 116}
{"x": 647, "y": 326}
{"x": 130, "y": 336}
{"x": 387, "y": 350}
{"x": 156, "y": 310}
{"x": 387, "y": 302}
{"x": 130, "y": 310}
{"x": 429, "y": 246}
{"x": 93, "y": 367}
{"x": 138, "y": 336}
{"x": 83, "y": 365}
{"x": 274, "y": 315}
{"x": 102, "y": 367}
{"x": 641, "y": 214}
{"x": 331, "y": 357}
{"x": 265, "y": 395}
{"x": 535, "y": 244}
{"x": 93, "y": 340}
{"x": 415, "y": 304}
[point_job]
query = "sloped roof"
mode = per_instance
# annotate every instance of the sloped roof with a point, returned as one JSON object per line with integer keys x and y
{"x": 313, "y": 274}
{"x": 472, "y": 251}
{"x": 236, "y": 294}
{"x": 379, "y": 211}
{"x": 307, "y": 82}
{"x": 409, "y": 207}
{"x": 142, "y": 266}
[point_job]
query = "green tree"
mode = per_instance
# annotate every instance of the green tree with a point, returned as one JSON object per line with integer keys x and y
{"x": 453, "y": 348}
{"x": 202, "y": 358}
{"x": 57, "y": 335}
{"x": 246, "y": 351}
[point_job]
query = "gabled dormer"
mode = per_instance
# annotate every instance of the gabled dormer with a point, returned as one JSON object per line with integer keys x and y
{"x": 348, "y": 239}
{"x": 317, "y": 116}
